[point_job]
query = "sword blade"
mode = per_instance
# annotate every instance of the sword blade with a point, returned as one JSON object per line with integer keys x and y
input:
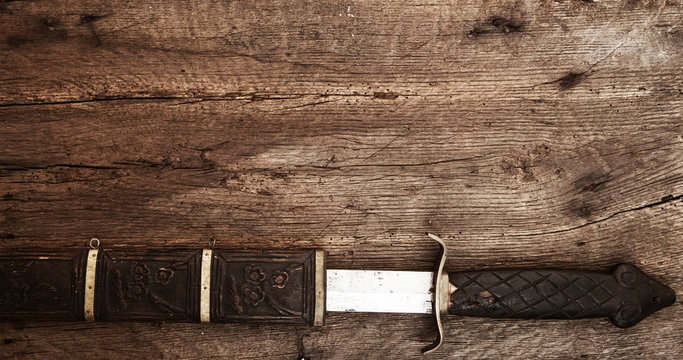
{"x": 379, "y": 291}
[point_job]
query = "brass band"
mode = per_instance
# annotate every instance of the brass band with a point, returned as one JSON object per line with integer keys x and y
{"x": 89, "y": 300}
{"x": 444, "y": 294}
{"x": 319, "y": 314}
{"x": 205, "y": 289}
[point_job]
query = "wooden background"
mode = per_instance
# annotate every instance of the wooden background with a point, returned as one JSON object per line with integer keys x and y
{"x": 526, "y": 133}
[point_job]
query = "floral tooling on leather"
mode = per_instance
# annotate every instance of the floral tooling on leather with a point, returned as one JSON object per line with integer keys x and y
{"x": 254, "y": 287}
{"x": 18, "y": 291}
{"x": 143, "y": 281}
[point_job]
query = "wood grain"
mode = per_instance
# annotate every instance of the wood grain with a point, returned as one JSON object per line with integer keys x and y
{"x": 524, "y": 133}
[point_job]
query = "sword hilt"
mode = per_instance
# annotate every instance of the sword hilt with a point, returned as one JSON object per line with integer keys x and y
{"x": 626, "y": 296}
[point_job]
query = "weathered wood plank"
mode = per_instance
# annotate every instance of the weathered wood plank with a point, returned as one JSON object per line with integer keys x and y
{"x": 526, "y": 134}
{"x": 263, "y": 173}
{"x": 266, "y": 177}
{"x": 349, "y": 336}
{"x": 80, "y": 50}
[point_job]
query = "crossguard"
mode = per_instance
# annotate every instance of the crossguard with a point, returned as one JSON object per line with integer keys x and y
{"x": 440, "y": 304}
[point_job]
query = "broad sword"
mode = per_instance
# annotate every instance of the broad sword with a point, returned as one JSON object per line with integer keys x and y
{"x": 212, "y": 285}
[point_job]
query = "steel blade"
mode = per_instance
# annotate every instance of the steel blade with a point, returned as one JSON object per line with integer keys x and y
{"x": 380, "y": 291}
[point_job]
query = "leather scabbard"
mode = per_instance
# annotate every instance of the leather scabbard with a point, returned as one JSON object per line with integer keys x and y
{"x": 152, "y": 285}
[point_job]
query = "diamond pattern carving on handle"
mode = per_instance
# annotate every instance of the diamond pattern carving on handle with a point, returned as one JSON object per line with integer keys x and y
{"x": 536, "y": 293}
{"x": 562, "y": 294}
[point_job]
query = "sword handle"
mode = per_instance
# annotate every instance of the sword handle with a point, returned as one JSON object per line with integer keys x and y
{"x": 626, "y": 296}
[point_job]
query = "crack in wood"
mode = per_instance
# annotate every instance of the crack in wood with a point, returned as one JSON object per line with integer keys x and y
{"x": 48, "y": 167}
{"x": 664, "y": 200}
{"x": 245, "y": 97}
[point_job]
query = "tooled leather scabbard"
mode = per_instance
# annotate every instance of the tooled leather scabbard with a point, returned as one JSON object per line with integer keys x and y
{"x": 152, "y": 285}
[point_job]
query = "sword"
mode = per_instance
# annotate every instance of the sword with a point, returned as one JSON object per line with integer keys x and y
{"x": 212, "y": 285}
